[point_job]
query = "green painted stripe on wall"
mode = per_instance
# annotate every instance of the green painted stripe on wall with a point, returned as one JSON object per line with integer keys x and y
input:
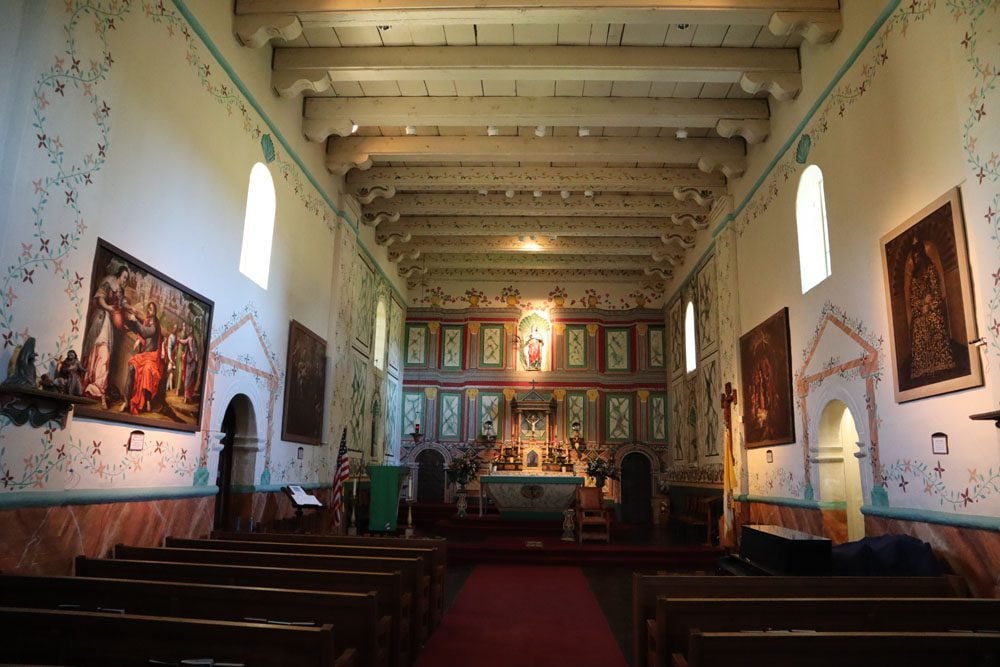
{"x": 275, "y": 488}
{"x": 792, "y": 502}
{"x": 22, "y": 499}
{"x": 979, "y": 521}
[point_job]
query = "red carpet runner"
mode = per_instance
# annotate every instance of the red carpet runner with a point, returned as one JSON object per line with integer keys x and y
{"x": 523, "y": 616}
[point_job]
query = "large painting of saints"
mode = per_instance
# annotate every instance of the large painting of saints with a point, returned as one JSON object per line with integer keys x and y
{"x": 766, "y": 362}
{"x": 929, "y": 299}
{"x": 144, "y": 346}
{"x": 305, "y": 382}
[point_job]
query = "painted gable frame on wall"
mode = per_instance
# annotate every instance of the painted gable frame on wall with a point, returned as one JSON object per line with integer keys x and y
{"x": 576, "y": 411}
{"x": 656, "y": 344}
{"x": 395, "y": 335}
{"x": 706, "y": 316}
{"x": 413, "y": 410}
{"x": 675, "y": 322}
{"x": 450, "y": 415}
{"x": 618, "y": 412}
{"x": 491, "y": 405}
{"x": 364, "y": 305}
{"x": 657, "y": 416}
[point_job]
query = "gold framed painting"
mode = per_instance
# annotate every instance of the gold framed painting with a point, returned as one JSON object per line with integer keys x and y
{"x": 766, "y": 362}
{"x": 928, "y": 294}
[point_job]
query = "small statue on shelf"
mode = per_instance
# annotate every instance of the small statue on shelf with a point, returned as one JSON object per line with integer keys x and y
{"x": 69, "y": 377}
{"x": 23, "y": 365}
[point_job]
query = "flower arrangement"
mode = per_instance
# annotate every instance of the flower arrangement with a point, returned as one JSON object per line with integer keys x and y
{"x": 510, "y": 295}
{"x": 598, "y": 467}
{"x": 474, "y": 296}
{"x": 558, "y": 293}
{"x": 464, "y": 467}
{"x": 437, "y": 296}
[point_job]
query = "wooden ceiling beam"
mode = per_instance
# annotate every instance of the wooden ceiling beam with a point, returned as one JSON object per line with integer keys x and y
{"x": 587, "y": 278}
{"x": 325, "y": 116}
{"x": 258, "y": 21}
{"x": 528, "y": 205}
{"x": 447, "y": 226}
{"x": 548, "y": 245}
{"x": 727, "y": 155}
{"x": 537, "y": 261}
{"x": 773, "y": 70}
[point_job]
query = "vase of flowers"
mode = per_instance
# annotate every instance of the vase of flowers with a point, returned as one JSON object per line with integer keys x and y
{"x": 464, "y": 468}
{"x": 558, "y": 296}
{"x": 474, "y": 296}
{"x": 510, "y": 295}
{"x": 601, "y": 469}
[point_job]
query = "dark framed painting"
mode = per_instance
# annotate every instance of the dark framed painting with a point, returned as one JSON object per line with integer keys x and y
{"x": 305, "y": 381}
{"x": 929, "y": 301}
{"x": 766, "y": 362}
{"x": 144, "y": 346}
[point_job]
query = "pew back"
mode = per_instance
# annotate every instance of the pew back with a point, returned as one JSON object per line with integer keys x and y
{"x": 112, "y": 640}
{"x": 354, "y": 616}
{"x": 646, "y": 588}
{"x": 677, "y": 617}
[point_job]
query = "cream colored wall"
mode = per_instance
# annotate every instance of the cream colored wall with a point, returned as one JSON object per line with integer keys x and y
{"x": 886, "y": 152}
{"x": 172, "y": 193}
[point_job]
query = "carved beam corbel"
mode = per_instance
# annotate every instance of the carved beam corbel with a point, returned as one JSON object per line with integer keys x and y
{"x": 318, "y": 129}
{"x": 695, "y": 222}
{"x": 782, "y": 86}
{"x": 396, "y": 257}
{"x": 256, "y": 30}
{"x": 679, "y": 240}
{"x": 754, "y": 130}
{"x": 293, "y": 83}
{"x": 388, "y": 240}
{"x": 730, "y": 168}
{"x": 376, "y": 218}
{"x": 665, "y": 274}
{"x": 659, "y": 258}
{"x": 700, "y": 197}
{"x": 368, "y": 195}
{"x": 814, "y": 27}
{"x": 411, "y": 271}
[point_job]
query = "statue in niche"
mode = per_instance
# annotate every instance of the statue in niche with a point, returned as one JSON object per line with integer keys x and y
{"x": 532, "y": 459}
{"x": 533, "y": 350}
{"x": 533, "y": 419}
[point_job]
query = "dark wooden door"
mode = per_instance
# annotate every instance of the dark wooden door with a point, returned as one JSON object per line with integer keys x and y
{"x": 430, "y": 477}
{"x": 224, "y": 478}
{"x": 637, "y": 489}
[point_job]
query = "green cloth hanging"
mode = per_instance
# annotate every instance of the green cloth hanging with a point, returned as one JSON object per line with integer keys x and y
{"x": 385, "y": 481}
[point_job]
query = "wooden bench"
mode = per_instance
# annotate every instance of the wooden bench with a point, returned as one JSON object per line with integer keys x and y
{"x": 393, "y": 600}
{"x": 677, "y": 617}
{"x": 439, "y": 545}
{"x": 646, "y": 588}
{"x": 432, "y": 584}
{"x": 700, "y": 511}
{"x": 838, "y": 649}
{"x": 354, "y": 616}
{"x": 415, "y": 580}
{"x": 124, "y": 640}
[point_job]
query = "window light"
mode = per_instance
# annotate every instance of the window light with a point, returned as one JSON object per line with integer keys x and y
{"x": 813, "y": 232}
{"x": 258, "y": 226}
{"x": 690, "y": 347}
{"x": 381, "y": 330}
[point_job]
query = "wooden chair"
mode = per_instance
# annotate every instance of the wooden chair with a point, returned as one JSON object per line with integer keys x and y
{"x": 592, "y": 521}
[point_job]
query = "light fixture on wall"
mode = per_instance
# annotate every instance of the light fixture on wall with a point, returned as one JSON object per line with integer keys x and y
{"x": 489, "y": 433}
{"x": 537, "y": 194}
{"x": 539, "y": 130}
{"x": 417, "y": 436}
{"x": 483, "y": 191}
{"x": 492, "y": 130}
{"x": 564, "y": 194}
{"x": 588, "y": 193}
{"x": 583, "y": 132}
{"x": 410, "y": 130}
{"x": 681, "y": 133}
{"x": 509, "y": 194}
{"x": 770, "y": 456}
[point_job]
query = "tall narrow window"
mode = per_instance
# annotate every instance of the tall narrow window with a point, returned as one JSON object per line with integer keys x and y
{"x": 814, "y": 238}
{"x": 690, "y": 346}
{"x": 378, "y": 351}
{"x": 258, "y": 226}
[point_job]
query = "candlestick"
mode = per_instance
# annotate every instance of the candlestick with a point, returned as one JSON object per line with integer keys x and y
{"x": 409, "y": 489}
{"x": 354, "y": 493}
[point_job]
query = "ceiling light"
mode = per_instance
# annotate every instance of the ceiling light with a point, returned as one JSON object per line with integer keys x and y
{"x": 583, "y": 132}
{"x": 410, "y": 130}
{"x": 510, "y": 194}
{"x": 483, "y": 191}
{"x": 553, "y": 237}
{"x": 354, "y": 127}
{"x": 539, "y": 130}
{"x": 492, "y": 131}
{"x": 588, "y": 193}
{"x": 564, "y": 194}
{"x": 681, "y": 133}
{"x": 537, "y": 193}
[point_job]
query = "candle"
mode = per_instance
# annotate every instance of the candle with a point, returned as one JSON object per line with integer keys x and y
{"x": 409, "y": 489}
{"x": 354, "y": 493}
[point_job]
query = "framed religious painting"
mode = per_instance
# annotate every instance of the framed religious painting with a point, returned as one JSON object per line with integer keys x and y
{"x": 305, "y": 382}
{"x": 766, "y": 363}
{"x": 145, "y": 345}
{"x": 929, "y": 302}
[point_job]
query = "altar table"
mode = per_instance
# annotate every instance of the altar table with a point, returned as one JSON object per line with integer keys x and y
{"x": 531, "y": 496}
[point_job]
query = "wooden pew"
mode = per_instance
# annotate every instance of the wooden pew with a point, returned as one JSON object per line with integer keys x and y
{"x": 430, "y": 584}
{"x": 415, "y": 579}
{"x": 393, "y": 600}
{"x": 120, "y": 640}
{"x": 839, "y": 649}
{"x": 354, "y": 616}
{"x": 647, "y": 587}
{"x": 677, "y": 617}
{"x": 439, "y": 545}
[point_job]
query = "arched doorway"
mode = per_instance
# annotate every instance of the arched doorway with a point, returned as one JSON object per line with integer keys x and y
{"x": 637, "y": 489}
{"x": 430, "y": 477}
{"x": 237, "y": 424}
{"x": 839, "y": 468}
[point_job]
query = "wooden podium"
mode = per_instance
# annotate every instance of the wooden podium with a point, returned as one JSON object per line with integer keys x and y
{"x": 301, "y": 500}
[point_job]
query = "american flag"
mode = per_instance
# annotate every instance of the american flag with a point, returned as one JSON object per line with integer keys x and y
{"x": 340, "y": 477}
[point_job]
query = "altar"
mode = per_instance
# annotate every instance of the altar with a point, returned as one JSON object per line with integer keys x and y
{"x": 531, "y": 496}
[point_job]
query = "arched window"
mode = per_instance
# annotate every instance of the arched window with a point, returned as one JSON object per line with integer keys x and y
{"x": 814, "y": 238}
{"x": 258, "y": 226}
{"x": 690, "y": 346}
{"x": 378, "y": 354}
